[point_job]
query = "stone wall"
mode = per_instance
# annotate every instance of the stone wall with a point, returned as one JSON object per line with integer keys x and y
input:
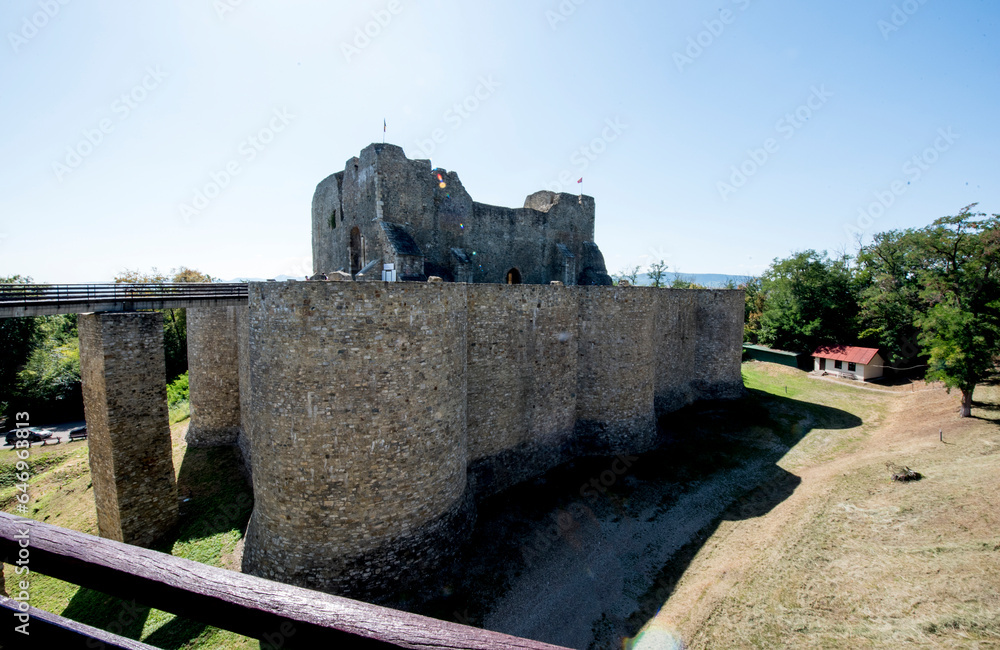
{"x": 213, "y": 376}
{"x": 377, "y": 411}
{"x": 243, "y": 440}
{"x": 545, "y": 240}
{"x": 358, "y": 427}
{"x": 125, "y": 400}
{"x": 616, "y": 370}
{"x": 522, "y": 386}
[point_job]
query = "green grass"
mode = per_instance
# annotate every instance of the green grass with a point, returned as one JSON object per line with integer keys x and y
{"x": 216, "y": 504}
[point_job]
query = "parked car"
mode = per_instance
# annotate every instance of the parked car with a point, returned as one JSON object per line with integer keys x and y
{"x": 33, "y": 435}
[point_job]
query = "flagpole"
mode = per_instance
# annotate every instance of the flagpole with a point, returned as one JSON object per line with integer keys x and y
{"x": 384, "y": 127}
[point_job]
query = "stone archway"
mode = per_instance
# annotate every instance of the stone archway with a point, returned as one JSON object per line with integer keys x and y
{"x": 513, "y": 276}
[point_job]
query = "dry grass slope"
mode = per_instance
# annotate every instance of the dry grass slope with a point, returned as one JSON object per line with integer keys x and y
{"x": 852, "y": 558}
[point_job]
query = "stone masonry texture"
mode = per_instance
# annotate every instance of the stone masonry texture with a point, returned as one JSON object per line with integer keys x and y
{"x": 125, "y": 400}
{"x": 376, "y": 414}
{"x": 386, "y": 208}
{"x": 213, "y": 376}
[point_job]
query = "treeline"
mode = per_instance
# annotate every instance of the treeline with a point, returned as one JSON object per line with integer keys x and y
{"x": 40, "y": 356}
{"x": 927, "y": 297}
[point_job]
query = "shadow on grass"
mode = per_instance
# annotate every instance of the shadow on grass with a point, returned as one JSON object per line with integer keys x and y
{"x": 523, "y": 528}
{"x": 215, "y": 505}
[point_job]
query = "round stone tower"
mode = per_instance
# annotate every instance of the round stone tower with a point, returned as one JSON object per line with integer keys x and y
{"x": 358, "y": 437}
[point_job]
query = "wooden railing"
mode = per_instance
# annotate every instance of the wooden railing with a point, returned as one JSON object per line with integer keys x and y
{"x": 276, "y": 613}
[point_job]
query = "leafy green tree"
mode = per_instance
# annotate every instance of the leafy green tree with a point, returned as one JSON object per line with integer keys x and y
{"x": 657, "y": 271}
{"x": 960, "y": 281}
{"x": 753, "y": 308}
{"x": 890, "y": 301}
{"x": 809, "y": 300}
{"x": 18, "y": 337}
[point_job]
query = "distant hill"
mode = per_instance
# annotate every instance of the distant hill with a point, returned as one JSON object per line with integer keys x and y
{"x": 710, "y": 280}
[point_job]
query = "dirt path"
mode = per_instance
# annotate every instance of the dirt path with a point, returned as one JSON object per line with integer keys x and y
{"x": 831, "y": 561}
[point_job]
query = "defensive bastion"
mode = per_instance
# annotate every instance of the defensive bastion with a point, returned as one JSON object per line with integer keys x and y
{"x": 372, "y": 415}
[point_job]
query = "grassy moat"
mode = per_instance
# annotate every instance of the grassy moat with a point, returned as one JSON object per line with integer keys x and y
{"x": 770, "y": 521}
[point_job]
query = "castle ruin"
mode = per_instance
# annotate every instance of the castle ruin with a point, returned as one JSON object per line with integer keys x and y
{"x": 372, "y": 415}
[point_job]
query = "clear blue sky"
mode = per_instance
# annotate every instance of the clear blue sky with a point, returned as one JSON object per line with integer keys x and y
{"x": 878, "y": 80}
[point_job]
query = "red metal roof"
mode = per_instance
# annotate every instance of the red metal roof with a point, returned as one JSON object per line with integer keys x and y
{"x": 849, "y": 353}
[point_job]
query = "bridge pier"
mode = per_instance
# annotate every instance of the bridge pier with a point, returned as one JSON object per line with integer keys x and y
{"x": 213, "y": 375}
{"x": 125, "y": 400}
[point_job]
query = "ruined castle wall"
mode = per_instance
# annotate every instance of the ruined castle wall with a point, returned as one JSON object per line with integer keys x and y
{"x": 616, "y": 368}
{"x": 676, "y": 338}
{"x": 522, "y": 367}
{"x": 213, "y": 367}
{"x": 125, "y": 401}
{"x": 359, "y": 200}
{"x": 719, "y": 317}
{"x": 526, "y": 238}
{"x": 359, "y": 446}
{"x": 244, "y": 440}
{"x": 327, "y": 226}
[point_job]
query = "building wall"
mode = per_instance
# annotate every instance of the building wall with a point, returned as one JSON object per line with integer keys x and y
{"x": 433, "y": 206}
{"x": 522, "y": 380}
{"x": 378, "y": 411}
{"x": 358, "y": 430}
{"x": 125, "y": 400}
{"x": 616, "y": 368}
{"x": 213, "y": 376}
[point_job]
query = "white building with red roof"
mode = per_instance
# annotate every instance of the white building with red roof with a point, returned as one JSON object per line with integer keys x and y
{"x": 849, "y": 361}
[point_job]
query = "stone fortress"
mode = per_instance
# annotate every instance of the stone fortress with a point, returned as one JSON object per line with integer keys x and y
{"x": 373, "y": 414}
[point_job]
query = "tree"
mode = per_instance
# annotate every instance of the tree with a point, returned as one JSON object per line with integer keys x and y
{"x": 138, "y": 277}
{"x": 18, "y": 337}
{"x": 809, "y": 300}
{"x": 657, "y": 271}
{"x": 753, "y": 307}
{"x": 960, "y": 281}
{"x": 631, "y": 274}
{"x": 184, "y": 274}
{"x": 890, "y": 299}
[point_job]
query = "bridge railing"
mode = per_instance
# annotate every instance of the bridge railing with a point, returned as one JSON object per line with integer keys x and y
{"x": 278, "y": 614}
{"x": 36, "y": 295}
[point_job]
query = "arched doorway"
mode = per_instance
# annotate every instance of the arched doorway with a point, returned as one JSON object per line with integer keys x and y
{"x": 356, "y": 254}
{"x": 513, "y": 276}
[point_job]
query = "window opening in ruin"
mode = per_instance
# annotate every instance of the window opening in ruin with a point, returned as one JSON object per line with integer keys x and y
{"x": 356, "y": 250}
{"x": 333, "y": 218}
{"x": 513, "y": 276}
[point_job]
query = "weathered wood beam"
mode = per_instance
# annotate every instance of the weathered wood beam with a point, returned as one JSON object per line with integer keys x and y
{"x": 47, "y": 630}
{"x": 254, "y": 607}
